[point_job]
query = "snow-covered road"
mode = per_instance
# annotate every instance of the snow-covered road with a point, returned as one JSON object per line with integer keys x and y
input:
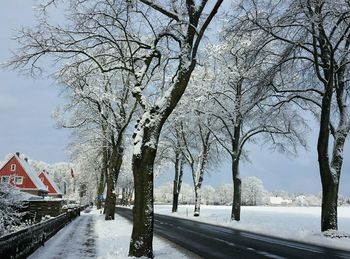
{"x": 76, "y": 240}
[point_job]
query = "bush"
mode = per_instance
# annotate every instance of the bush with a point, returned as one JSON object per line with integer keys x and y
{"x": 10, "y": 209}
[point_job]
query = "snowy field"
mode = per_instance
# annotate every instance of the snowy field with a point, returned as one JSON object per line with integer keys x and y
{"x": 297, "y": 223}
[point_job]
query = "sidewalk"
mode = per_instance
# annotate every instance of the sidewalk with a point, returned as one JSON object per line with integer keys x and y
{"x": 76, "y": 240}
{"x": 90, "y": 236}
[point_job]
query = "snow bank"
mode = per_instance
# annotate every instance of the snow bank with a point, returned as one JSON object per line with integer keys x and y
{"x": 113, "y": 239}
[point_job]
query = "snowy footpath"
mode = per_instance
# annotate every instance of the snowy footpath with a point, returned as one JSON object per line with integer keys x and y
{"x": 76, "y": 240}
{"x": 90, "y": 236}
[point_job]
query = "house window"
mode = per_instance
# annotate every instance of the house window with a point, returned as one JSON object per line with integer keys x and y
{"x": 13, "y": 167}
{"x": 42, "y": 179}
{"x": 5, "y": 179}
{"x": 18, "y": 180}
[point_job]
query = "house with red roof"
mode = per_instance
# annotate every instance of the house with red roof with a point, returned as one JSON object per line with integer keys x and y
{"x": 52, "y": 187}
{"x": 17, "y": 172}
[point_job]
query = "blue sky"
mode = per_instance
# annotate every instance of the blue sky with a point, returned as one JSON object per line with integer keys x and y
{"x": 26, "y": 104}
{"x": 26, "y": 124}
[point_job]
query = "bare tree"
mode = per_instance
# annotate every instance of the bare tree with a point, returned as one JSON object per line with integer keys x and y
{"x": 108, "y": 97}
{"x": 157, "y": 43}
{"x": 313, "y": 67}
{"x": 246, "y": 108}
{"x": 197, "y": 143}
{"x": 170, "y": 149}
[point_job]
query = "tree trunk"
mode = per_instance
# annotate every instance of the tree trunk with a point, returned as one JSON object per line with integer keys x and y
{"x": 198, "y": 177}
{"x": 110, "y": 197}
{"x": 236, "y": 204}
{"x": 177, "y": 181}
{"x": 328, "y": 177}
{"x": 235, "y": 157}
{"x": 141, "y": 243}
{"x": 330, "y": 184}
{"x": 197, "y": 203}
{"x": 113, "y": 173}
{"x": 100, "y": 189}
{"x": 175, "y": 200}
{"x": 329, "y": 206}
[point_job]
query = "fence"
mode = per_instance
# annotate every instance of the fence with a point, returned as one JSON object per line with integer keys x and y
{"x": 36, "y": 210}
{"x": 22, "y": 243}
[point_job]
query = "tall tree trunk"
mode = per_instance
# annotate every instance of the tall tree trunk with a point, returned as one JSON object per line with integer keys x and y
{"x": 100, "y": 189}
{"x": 198, "y": 176}
{"x": 110, "y": 197}
{"x": 113, "y": 173}
{"x": 235, "y": 157}
{"x": 198, "y": 182}
{"x": 237, "y": 193}
{"x": 328, "y": 175}
{"x": 177, "y": 181}
{"x": 141, "y": 243}
{"x": 103, "y": 177}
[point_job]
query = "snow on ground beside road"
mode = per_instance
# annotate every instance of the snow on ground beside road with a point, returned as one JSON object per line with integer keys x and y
{"x": 90, "y": 236}
{"x": 113, "y": 238}
{"x": 74, "y": 241}
{"x": 297, "y": 223}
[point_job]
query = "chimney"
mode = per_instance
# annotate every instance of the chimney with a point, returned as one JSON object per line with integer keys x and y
{"x": 17, "y": 154}
{"x": 26, "y": 159}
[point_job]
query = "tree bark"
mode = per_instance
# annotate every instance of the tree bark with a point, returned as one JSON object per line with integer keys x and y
{"x": 197, "y": 202}
{"x": 198, "y": 177}
{"x": 329, "y": 213}
{"x": 236, "y": 204}
{"x": 141, "y": 243}
{"x": 100, "y": 189}
{"x": 177, "y": 181}
{"x": 113, "y": 173}
{"x": 110, "y": 197}
{"x": 235, "y": 156}
{"x": 103, "y": 177}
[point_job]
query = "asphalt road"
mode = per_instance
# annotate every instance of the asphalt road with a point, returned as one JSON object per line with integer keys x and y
{"x": 210, "y": 241}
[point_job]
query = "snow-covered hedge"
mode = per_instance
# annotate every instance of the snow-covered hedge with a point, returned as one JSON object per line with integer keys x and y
{"x": 10, "y": 209}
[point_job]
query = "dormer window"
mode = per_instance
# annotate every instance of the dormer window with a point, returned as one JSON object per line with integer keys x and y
{"x": 13, "y": 167}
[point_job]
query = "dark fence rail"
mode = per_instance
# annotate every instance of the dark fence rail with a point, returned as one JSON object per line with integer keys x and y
{"x": 22, "y": 243}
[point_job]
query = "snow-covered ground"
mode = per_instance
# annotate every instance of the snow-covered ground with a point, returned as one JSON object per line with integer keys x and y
{"x": 76, "y": 240}
{"x": 90, "y": 236}
{"x": 297, "y": 223}
{"x": 113, "y": 239}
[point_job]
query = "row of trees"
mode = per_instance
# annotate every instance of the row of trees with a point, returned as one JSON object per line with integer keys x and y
{"x": 253, "y": 194}
{"x": 126, "y": 63}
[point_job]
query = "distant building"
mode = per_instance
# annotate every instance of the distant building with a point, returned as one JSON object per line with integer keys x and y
{"x": 17, "y": 172}
{"x": 279, "y": 201}
{"x": 53, "y": 189}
